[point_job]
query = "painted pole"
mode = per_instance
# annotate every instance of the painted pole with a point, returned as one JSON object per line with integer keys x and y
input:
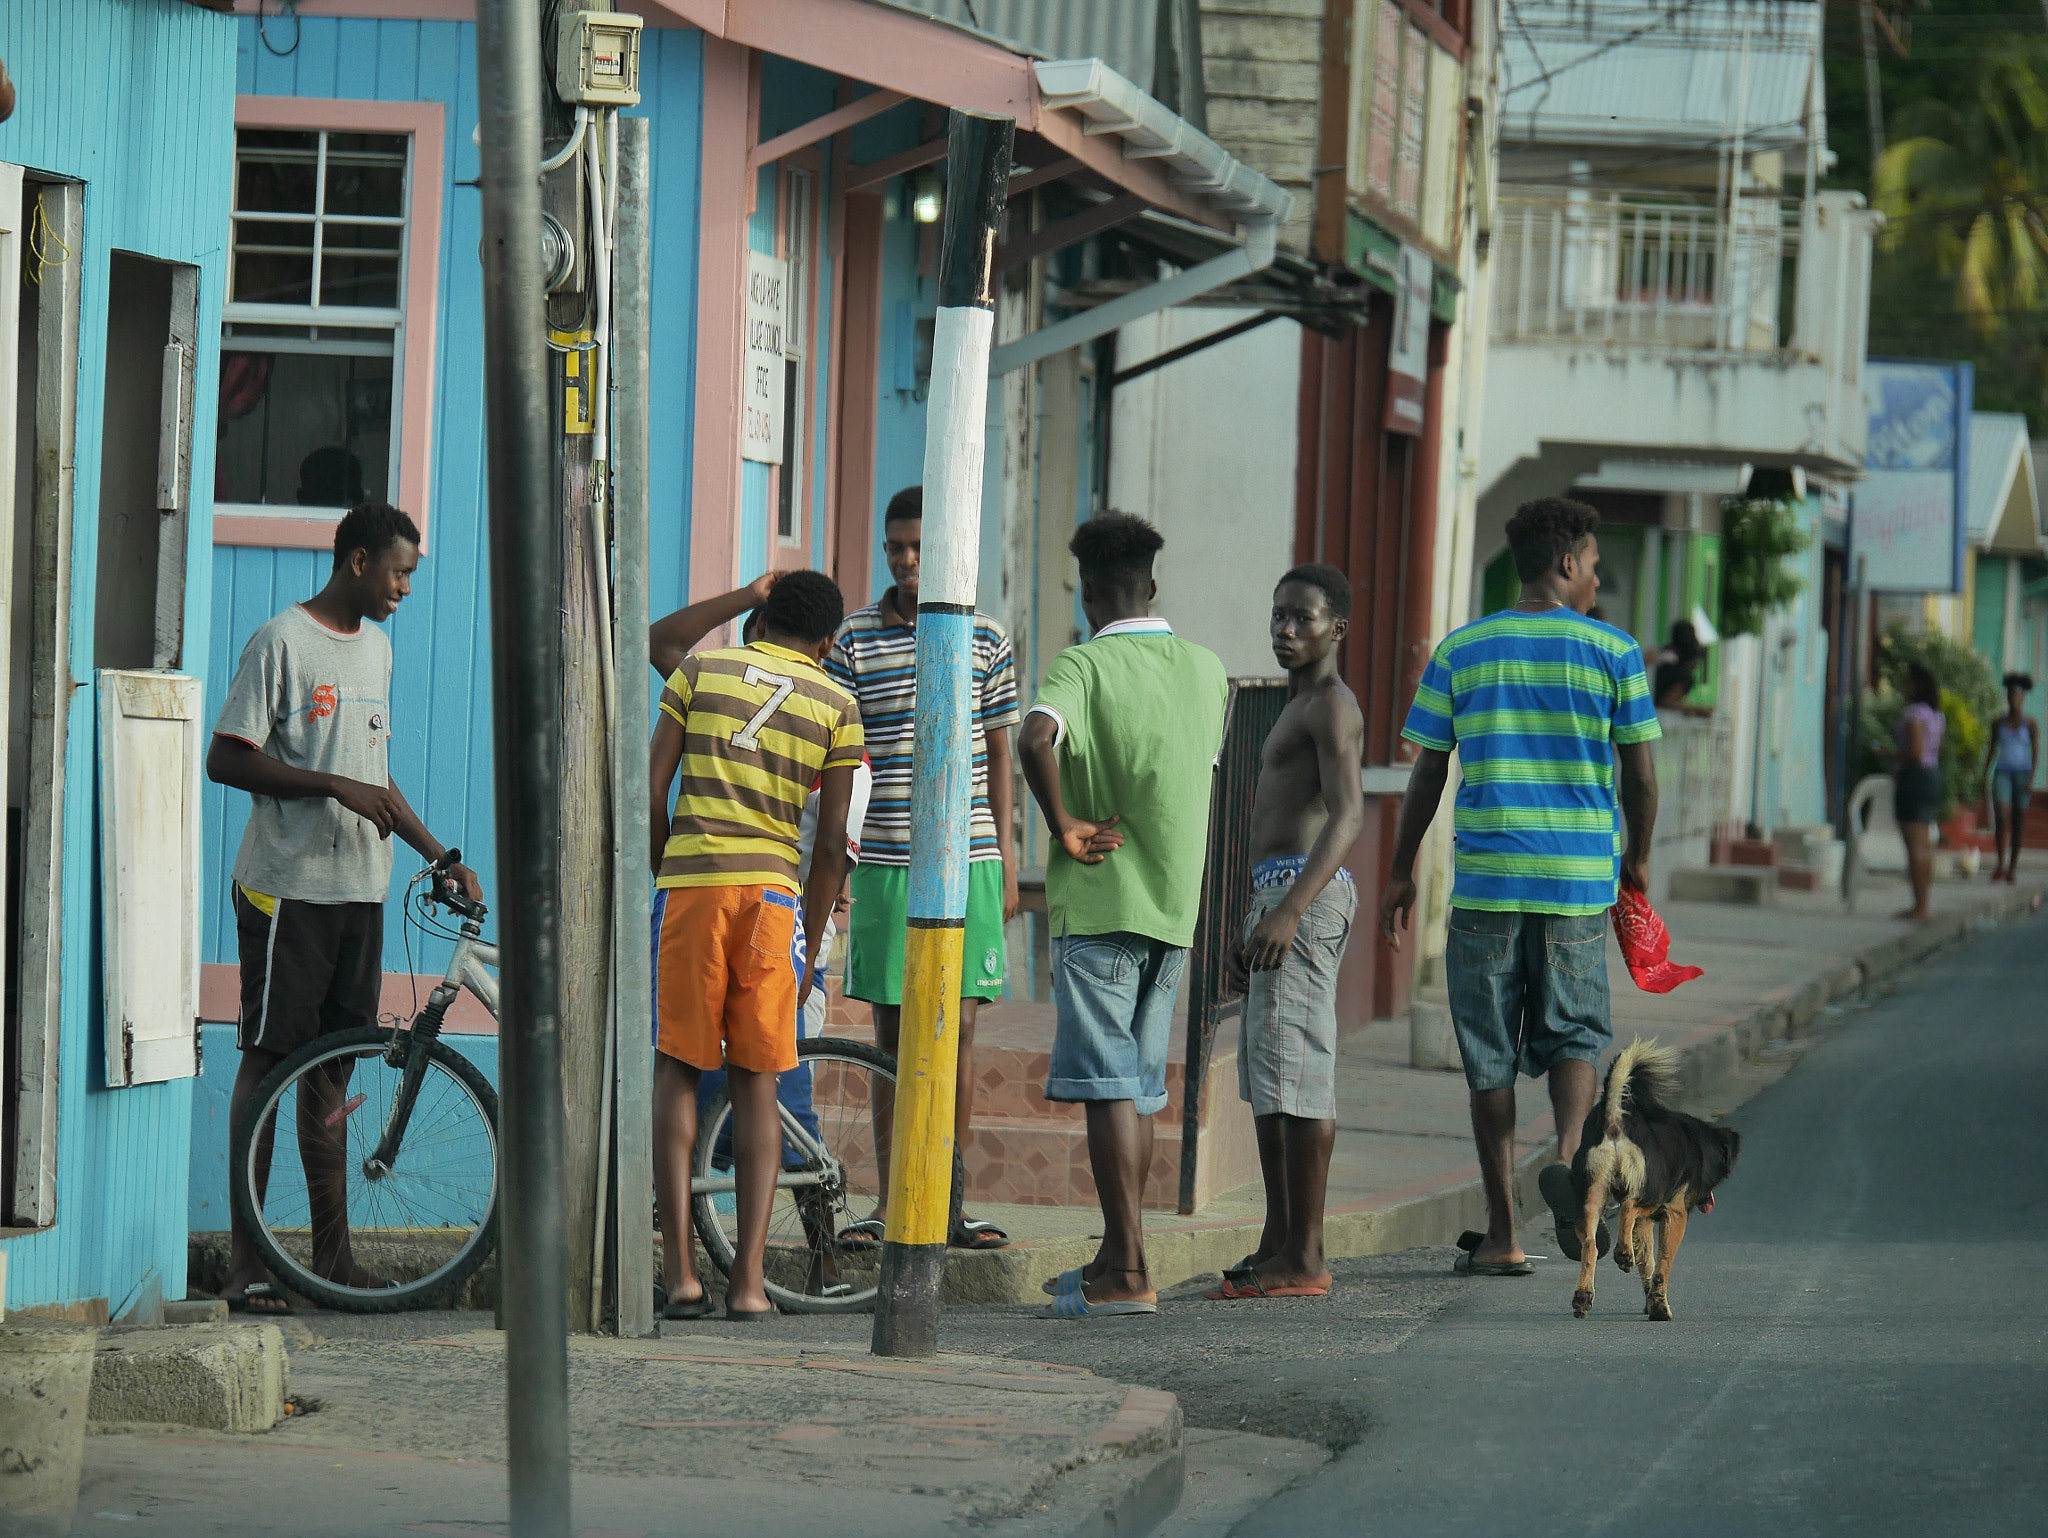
{"x": 942, "y": 762}
{"x": 526, "y": 705}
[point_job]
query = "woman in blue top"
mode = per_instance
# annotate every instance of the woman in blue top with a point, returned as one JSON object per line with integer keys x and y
{"x": 2015, "y": 749}
{"x": 1917, "y": 800}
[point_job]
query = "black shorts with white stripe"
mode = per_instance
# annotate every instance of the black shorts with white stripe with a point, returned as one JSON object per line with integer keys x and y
{"x": 307, "y": 969}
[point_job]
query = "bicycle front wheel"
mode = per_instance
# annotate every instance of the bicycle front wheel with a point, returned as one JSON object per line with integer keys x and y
{"x": 336, "y": 1225}
{"x": 832, "y": 1105}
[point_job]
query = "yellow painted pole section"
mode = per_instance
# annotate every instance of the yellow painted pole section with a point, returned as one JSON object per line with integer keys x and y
{"x": 927, "y": 1068}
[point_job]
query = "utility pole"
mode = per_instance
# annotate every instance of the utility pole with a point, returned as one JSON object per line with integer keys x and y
{"x": 942, "y": 762}
{"x": 574, "y": 193}
{"x": 631, "y": 1279}
{"x": 1873, "y": 98}
{"x": 526, "y": 670}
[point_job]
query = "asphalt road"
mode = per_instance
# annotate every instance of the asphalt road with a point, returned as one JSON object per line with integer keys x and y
{"x": 1861, "y": 1342}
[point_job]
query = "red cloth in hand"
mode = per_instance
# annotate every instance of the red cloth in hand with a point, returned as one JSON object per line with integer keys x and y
{"x": 1646, "y": 944}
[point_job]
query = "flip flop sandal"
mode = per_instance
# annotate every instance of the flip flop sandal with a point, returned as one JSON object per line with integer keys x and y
{"x": 1470, "y": 1240}
{"x": 258, "y": 1293}
{"x": 1248, "y": 1285}
{"x": 751, "y": 1315}
{"x": 1076, "y": 1306}
{"x": 1564, "y": 1202}
{"x": 1469, "y": 1265}
{"x": 832, "y": 1290}
{"x": 867, "y": 1234}
{"x": 1243, "y": 1268}
{"x": 1066, "y": 1281}
{"x": 979, "y": 1235}
{"x": 699, "y": 1307}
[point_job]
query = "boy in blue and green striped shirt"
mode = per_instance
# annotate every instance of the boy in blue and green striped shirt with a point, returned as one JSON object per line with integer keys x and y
{"x": 1544, "y": 706}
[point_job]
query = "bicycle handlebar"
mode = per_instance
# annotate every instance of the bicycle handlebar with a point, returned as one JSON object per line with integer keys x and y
{"x": 444, "y": 891}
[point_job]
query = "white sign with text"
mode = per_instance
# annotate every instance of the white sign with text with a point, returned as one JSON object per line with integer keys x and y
{"x": 761, "y": 371}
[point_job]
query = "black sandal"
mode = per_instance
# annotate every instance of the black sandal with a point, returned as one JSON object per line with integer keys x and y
{"x": 260, "y": 1293}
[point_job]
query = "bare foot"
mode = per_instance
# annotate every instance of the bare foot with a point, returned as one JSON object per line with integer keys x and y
{"x": 1119, "y": 1284}
{"x": 236, "y": 1294}
{"x": 1279, "y": 1273}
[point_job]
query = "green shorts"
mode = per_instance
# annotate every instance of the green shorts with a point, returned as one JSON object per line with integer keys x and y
{"x": 874, "y": 957}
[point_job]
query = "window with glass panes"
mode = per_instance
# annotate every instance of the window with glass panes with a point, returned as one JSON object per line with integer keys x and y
{"x": 313, "y": 328}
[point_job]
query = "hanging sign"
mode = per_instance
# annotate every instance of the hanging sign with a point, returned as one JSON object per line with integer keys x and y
{"x": 1909, "y": 520}
{"x": 761, "y": 371}
{"x": 1408, "y": 351}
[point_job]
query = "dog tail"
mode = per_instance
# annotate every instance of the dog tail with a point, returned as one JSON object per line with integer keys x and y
{"x": 1646, "y": 1073}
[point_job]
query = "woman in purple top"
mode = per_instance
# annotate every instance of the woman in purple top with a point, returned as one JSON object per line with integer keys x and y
{"x": 1917, "y": 800}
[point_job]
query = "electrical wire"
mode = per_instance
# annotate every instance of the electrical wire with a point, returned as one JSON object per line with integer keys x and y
{"x": 1548, "y": 75}
{"x": 41, "y": 233}
{"x": 567, "y": 152}
{"x": 284, "y": 8}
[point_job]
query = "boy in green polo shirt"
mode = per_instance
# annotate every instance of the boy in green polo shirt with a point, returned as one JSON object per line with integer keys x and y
{"x": 1118, "y": 749}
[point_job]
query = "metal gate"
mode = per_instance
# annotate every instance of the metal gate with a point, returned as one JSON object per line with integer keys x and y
{"x": 1253, "y": 708}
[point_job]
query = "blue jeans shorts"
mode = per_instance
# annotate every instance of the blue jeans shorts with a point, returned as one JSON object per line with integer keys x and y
{"x": 2012, "y": 787}
{"x": 1527, "y": 991}
{"x": 1113, "y": 1004}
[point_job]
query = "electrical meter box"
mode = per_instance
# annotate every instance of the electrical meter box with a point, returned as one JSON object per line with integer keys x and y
{"x": 597, "y": 59}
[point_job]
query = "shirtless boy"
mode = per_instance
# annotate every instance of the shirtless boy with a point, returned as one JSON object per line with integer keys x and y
{"x": 1308, "y": 810}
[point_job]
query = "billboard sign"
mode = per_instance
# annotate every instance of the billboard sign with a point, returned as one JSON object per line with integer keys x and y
{"x": 1909, "y": 519}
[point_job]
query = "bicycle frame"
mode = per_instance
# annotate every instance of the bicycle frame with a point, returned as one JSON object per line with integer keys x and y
{"x": 794, "y": 1131}
{"x": 467, "y": 968}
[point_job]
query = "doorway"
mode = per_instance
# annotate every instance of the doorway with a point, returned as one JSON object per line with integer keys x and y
{"x": 145, "y": 463}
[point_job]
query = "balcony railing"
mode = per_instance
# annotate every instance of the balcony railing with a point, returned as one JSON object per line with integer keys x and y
{"x": 1578, "y": 265}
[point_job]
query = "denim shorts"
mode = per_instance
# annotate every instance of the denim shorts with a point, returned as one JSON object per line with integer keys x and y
{"x": 1527, "y": 991}
{"x": 1113, "y": 1005}
{"x": 1287, "y": 1057}
{"x": 2012, "y": 787}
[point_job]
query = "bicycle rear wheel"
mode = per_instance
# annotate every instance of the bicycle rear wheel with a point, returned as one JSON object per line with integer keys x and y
{"x": 816, "y": 1197}
{"x": 331, "y": 1226}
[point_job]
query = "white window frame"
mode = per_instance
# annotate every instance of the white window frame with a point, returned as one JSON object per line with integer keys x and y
{"x": 413, "y": 322}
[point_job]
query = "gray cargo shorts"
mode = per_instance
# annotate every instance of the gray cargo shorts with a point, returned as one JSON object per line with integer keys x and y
{"x": 1287, "y": 1055}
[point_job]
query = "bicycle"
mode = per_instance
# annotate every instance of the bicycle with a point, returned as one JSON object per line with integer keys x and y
{"x": 405, "y": 1196}
{"x": 418, "y": 1174}
{"x": 831, "y": 1175}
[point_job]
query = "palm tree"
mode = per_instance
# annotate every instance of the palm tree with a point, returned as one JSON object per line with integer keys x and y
{"x": 1965, "y": 185}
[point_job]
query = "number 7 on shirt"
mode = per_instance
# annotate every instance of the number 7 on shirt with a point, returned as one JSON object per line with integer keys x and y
{"x": 748, "y": 736}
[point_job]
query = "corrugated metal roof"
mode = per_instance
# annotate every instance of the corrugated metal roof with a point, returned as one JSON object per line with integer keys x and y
{"x": 1687, "y": 71}
{"x": 1122, "y": 33}
{"x": 1998, "y": 445}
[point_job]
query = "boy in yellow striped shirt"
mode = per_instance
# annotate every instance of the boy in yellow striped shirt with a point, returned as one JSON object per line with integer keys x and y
{"x": 751, "y": 729}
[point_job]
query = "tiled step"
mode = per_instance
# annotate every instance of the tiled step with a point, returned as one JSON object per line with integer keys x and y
{"x": 1033, "y": 1151}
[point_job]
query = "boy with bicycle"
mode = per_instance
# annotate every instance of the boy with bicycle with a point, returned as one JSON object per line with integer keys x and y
{"x": 304, "y": 730}
{"x": 752, "y": 728}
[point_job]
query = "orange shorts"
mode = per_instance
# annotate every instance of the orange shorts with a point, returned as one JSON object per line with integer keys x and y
{"x": 726, "y": 960}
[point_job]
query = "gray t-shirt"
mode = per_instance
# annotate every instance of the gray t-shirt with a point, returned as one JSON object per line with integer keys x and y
{"x": 320, "y": 700}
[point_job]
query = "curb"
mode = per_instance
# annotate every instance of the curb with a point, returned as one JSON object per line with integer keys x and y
{"x": 1126, "y": 1482}
{"x": 226, "y": 1377}
{"x": 1707, "y": 1064}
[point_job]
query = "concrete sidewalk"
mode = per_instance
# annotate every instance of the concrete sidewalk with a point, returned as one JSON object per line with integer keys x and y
{"x": 711, "y": 1431}
{"x": 1403, "y": 1172}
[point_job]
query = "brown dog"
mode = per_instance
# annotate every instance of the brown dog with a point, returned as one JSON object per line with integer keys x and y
{"x": 1659, "y": 1163}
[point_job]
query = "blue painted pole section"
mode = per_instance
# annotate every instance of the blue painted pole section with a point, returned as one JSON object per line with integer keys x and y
{"x": 942, "y": 765}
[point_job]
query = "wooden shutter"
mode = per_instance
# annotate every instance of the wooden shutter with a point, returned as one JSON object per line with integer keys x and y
{"x": 150, "y": 736}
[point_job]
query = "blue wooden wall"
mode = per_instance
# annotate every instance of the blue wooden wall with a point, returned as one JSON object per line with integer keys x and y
{"x": 441, "y": 745}
{"x": 134, "y": 98}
